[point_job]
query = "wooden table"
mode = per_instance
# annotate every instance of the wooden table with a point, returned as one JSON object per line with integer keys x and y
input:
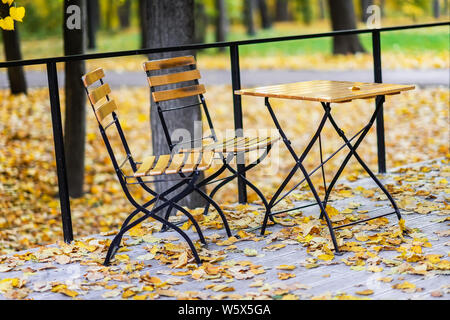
{"x": 326, "y": 92}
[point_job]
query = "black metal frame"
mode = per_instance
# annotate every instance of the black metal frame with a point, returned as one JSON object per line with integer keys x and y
{"x": 225, "y": 157}
{"x": 190, "y": 181}
{"x": 236, "y": 85}
{"x": 328, "y": 189}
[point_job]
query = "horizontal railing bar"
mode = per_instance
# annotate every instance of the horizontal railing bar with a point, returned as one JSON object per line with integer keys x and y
{"x": 296, "y": 208}
{"x": 182, "y": 107}
{"x": 154, "y": 181}
{"x": 93, "y": 56}
{"x": 318, "y": 167}
{"x": 193, "y": 140}
{"x": 361, "y": 221}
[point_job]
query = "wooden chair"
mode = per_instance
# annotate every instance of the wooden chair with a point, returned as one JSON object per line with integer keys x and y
{"x": 174, "y": 72}
{"x": 188, "y": 165}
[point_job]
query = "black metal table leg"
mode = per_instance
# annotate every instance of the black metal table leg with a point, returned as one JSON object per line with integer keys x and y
{"x": 299, "y": 165}
{"x": 328, "y": 189}
{"x": 353, "y": 152}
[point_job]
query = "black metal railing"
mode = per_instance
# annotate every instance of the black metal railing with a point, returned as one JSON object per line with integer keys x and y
{"x": 236, "y": 85}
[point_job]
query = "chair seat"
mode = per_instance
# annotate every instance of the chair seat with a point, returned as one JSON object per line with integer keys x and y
{"x": 241, "y": 144}
{"x": 187, "y": 162}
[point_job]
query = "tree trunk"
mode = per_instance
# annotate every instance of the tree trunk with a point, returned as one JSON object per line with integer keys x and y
{"x": 108, "y": 14}
{"x": 382, "y": 7}
{"x": 143, "y": 20}
{"x": 124, "y": 11}
{"x": 75, "y": 115}
{"x": 305, "y": 9}
{"x": 248, "y": 17}
{"x": 343, "y": 18}
{"x": 171, "y": 23}
{"x": 93, "y": 21}
{"x": 201, "y": 22}
{"x": 16, "y": 75}
{"x": 266, "y": 22}
{"x": 436, "y": 9}
{"x": 221, "y": 22}
{"x": 364, "y": 5}
{"x": 281, "y": 10}
{"x": 321, "y": 10}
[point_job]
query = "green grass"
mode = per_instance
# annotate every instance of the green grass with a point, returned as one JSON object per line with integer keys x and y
{"x": 432, "y": 39}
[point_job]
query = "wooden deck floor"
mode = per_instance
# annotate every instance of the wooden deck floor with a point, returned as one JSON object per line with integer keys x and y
{"x": 332, "y": 279}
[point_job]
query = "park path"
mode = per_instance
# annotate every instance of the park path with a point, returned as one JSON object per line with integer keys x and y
{"x": 424, "y": 78}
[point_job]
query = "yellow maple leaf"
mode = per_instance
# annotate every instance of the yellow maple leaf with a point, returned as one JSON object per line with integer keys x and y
{"x": 137, "y": 231}
{"x": 286, "y": 267}
{"x": 404, "y": 285}
{"x": 68, "y": 292}
{"x": 128, "y": 293}
{"x": 401, "y": 224}
{"x": 17, "y": 13}
{"x": 7, "y": 23}
{"x": 285, "y": 276}
{"x": 367, "y": 292}
{"x": 122, "y": 257}
{"x": 325, "y": 257}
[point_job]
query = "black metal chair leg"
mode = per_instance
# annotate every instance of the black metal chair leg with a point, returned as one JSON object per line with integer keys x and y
{"x": 218, "y": 209}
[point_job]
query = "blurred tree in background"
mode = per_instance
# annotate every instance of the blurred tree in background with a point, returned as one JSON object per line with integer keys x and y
{"x": 75, "y": 97}
{"x": 9, "y": 14}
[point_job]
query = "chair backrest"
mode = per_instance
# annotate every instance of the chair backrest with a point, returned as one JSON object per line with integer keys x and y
{"x": 106, "y": 108}
{"x": 172, "y": 72}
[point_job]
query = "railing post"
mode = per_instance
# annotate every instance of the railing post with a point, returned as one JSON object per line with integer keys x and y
{"x": 238, "y": 123}
{"x": 378, "y": 77}
{"x": 58, "y": 139}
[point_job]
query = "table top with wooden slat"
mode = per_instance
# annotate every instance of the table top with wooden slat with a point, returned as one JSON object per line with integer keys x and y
{"x": 326, "y": 90}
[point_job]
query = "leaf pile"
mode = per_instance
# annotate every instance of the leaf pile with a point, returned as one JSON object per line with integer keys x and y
{"x": 416, "y": 130}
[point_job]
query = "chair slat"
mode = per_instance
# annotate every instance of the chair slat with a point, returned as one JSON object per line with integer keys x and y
{"x": 178, "y": 93}
{"x": 105, "y": 109}
{"x": 176, "y": 164}
{"x": 174, "y": 78}
{"x": 192, "y": 162}
{"x": 206, "y": 162}
{"x": 99, "y": 93}
{"x": 145, "y": 167}
{"x": 168, "y": 63}
{"x": 93, "y": 76}
{"x": 161, "y": 165}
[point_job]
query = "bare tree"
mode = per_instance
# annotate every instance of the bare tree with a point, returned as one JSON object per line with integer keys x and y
{"x": 306, "y": 11}
{"x": 248, "y": 17}
{"x": 75, "y": 117}
{"x": 124, "y": 12}
{"x": 221, "y": 22}
{"x": 321, "y": 9}
{"x": 364, "y": 5}
{"x": 343, "y": 18}
{"x": 201, "y": 21}
{"x": 11, "y": 45}
{"x": 382, "y": 5}
{"x": 436, "y": 9}
{"x": 143, "y": 20}
{"x": 93, "y": 22}
{"x": 171, "y": 23}
{"x": 282, "y": 10}
{"x": 266, "y": 22}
